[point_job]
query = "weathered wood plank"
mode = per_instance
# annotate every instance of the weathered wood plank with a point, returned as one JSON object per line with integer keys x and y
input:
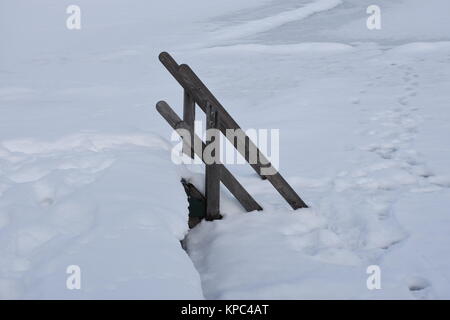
{"x": 189, "y": 118}
{"x": 185, "y": 77}
{"x": 227, "y": 178}
{"x": 212, "y": 172}
{"x": 201, "y": 94}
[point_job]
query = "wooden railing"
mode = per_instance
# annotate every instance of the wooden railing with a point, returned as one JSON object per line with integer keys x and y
{"x": 196, "y": 92}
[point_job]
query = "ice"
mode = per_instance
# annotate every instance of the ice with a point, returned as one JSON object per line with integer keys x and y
{"x": 274, "y": 21}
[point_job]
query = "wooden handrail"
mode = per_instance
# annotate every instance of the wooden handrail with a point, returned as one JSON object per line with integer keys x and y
{"x": 202, "y": 96}
{"x": 230, "y": 182}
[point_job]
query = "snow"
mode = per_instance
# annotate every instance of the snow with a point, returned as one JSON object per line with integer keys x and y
{"x": 271, "y": 22}
{"x": 305, "y": 48}
{"x": 84, "y": 200}
{"x": 86, "y": 176}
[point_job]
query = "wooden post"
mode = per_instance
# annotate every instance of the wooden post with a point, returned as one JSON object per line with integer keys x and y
{"x": 212, "y": 176}
{"x": 189, "y": 118}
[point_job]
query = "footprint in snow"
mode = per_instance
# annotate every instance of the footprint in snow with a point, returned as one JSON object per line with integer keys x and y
{"x": 420, "y": 288}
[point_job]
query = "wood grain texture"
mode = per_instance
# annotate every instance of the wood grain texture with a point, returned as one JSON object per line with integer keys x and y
{"x": 227, "y": 178}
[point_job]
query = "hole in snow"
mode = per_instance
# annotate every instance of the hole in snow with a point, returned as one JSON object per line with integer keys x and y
{"x": 417, "y": 283}
{"x": 197, "y": 203}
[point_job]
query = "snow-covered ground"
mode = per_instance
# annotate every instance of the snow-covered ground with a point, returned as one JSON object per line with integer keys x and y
{"x": 86, "y": 176}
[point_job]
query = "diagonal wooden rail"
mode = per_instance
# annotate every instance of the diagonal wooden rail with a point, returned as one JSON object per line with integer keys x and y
{"x": 197, "y": 92}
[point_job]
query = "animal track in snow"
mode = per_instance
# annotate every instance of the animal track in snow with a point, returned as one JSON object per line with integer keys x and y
{"x": 376, "y": 187}
{"x": 396, "y": 144}
{"x": 420, "y": 288}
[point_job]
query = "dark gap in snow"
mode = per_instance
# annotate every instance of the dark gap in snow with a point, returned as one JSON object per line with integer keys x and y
{"x": 197, "y": 203}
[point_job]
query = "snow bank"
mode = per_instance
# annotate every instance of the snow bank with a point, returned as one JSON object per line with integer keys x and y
{"x": 100, "y": 202}
{"x": 274, "y": 21}
{"x": 277, "y": 266}
{"x": 305, "y": 48}
{"x": 418, "y": 48}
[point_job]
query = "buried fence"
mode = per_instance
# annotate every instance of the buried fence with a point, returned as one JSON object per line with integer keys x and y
{"x": 217, "y": 118}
